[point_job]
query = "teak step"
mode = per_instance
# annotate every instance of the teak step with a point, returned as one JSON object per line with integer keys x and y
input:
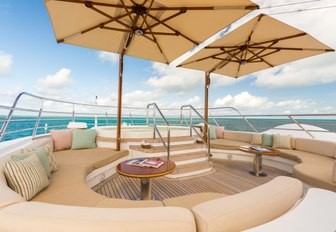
{"x": 158, "y": 149}
{"x": 188, "y": 156}
{"x": 192, "y": 167}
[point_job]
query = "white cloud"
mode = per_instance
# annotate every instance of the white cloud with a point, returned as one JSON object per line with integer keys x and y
{"x": 6, "y": 62}
{"x": 250, "y": 104}
{"x": 169, "y": 79}
{"x": 54, "y": 84}
{"x": 219, "y": 80}
{"x": 315, "y": 71}
{"x": 195, "y": 101}
{"x": 243, "y": 100}
{"x": 108, "y": 56}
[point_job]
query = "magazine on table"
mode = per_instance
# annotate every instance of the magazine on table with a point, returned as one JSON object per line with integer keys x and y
{"x": 261, "y": 149}
{"x": 152, "y": 163}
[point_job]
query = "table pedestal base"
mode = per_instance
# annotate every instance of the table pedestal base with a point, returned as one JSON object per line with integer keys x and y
{"x": 146, "y": 189}
{"x": 257, "y": 165}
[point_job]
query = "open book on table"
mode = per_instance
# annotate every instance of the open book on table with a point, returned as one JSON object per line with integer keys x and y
{"x": 261, "y": 149}
{"x": 152, "y": 163}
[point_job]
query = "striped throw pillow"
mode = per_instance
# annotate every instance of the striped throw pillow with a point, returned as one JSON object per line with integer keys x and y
{"x": 51, "y": 158}
{"x": 256, "y": 139}
{"x": 26, "y": 177}
{"x": 282, "y": 141}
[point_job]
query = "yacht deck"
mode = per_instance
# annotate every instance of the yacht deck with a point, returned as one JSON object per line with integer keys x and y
{"x": 228, "y": 177}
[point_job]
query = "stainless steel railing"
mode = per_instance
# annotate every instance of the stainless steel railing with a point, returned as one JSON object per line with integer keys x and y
{"x": 192, "y": 127}
{"x": 155, "y": 128}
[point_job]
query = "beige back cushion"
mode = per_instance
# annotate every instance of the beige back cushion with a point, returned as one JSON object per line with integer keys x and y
{"x": 248, "y": 209}
{"x": 334, "y": 172}
{"x": 316, "y": 146}
{"x": 238, "y": 136}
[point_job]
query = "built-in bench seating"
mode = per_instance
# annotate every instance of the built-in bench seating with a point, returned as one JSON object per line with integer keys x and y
{"x": 316, "y": 158}
{"x": 68, "y": 204}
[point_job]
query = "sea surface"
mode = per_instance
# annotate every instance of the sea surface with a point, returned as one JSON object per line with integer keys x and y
{"x": 22, "y": 126}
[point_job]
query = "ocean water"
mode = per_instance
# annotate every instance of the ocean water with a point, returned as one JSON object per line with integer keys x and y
{"x": 22, "y": 126}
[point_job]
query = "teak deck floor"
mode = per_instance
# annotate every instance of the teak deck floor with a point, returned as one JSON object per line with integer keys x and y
{"x": 229, "y": 177}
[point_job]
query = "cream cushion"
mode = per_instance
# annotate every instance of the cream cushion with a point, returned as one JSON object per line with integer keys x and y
{"x": 248, "y": 209}
{"x": 26, "y": 177}
{"x": 227, "y": 144}
{"x": 62, "y": 139}
{"x": 41, "y": 217}
{"x": 320, "y": 147}
{"x": 334, "y": 172}
{"x": 282, "y": 141}
{"x": 238, "y": 136}
{"x": 191, "y": 200}
{"x": 256, "y": 139}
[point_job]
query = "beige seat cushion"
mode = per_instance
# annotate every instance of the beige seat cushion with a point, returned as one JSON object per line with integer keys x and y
{"x": 248, "y": 209}
{"x": 316, "y": 175}
{"x": 68, "y": 187}
{"x": 41, "y": 217}
{"x": 334, "y": 172}
{"x": 305, "y": 157}
{"x": 189, "y": 201}
{"x": 226, "y": 144}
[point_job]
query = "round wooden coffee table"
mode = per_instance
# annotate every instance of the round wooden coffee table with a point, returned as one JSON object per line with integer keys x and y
{"x": 258, "y": 152}
{"x": 145, "y": 174}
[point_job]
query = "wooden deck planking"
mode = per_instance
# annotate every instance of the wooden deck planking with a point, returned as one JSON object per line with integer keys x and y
{"x": 229, "y": 177}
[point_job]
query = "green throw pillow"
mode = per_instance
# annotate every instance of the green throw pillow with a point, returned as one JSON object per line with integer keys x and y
{"x": 213, "y": 134}
{"x": 267, "y": 140}
{"x": 41, "y": 154}
{"x": 83, "y": 139}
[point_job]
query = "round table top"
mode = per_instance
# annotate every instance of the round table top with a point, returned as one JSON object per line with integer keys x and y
{"x": 145, "y": 172}
{"x": 271, "y": 151}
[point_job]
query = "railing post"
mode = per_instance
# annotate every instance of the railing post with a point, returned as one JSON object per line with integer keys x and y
{"x": 168, "y": 143}
{"x": 190, "y": 121}
{"x": 154, "y": 123}
{"x": 10, "y": 114}
{"x": 73, "y": 113}
{"x": 208, "y": 142}
{"x": 37, "y": 123}
{"x": 299, "y": 125}
{"x": 131, "y": 119}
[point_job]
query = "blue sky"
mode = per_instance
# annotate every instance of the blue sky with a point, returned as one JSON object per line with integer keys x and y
{"x": 32, "y": 61}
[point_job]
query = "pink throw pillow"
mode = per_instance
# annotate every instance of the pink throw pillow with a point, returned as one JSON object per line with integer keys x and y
{"x": 62, "y": 139}
{"x": 219, "y": 132}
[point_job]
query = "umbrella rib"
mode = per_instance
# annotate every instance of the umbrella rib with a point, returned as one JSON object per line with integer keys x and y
{"x": 261, "y": 58}
{"x": 201, "y": 59}
{"x": 144, "y": 17}
{"x": 250, "y": 7}
{"x": 182, "y": 11}
{"x": 155, "y": 40}
{"x": 110, "y": 17}
{"x": 280, "y": 39}
{"x": 100, "y": 25}
{"x": 262, "y": 50}
{"x": 177, "y": 32}
{"x": 116, "y": 29}
{"x": 264, "y": 55}
{"x": 295, "y": 49}
{"x": 127, "y": 10}
{"x": 94, "y": 3}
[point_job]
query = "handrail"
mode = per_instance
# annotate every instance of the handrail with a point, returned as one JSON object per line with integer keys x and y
{"x": 191, "y": 108}
{"x": 239, "y": 113}
{"x": 155, "y": 128}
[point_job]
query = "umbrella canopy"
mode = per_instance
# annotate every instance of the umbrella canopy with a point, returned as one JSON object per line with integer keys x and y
{"x": 261, "y": 43}
{"x": 159, "y": 30}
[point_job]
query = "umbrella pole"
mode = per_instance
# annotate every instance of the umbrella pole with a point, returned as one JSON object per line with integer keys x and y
{"x": 120, "y": 80}
{"x": 206, "y": 103}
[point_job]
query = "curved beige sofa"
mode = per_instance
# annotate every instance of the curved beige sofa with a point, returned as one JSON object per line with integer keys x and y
{"x": 68, "y": 204}
{"x": 316, "y": 158}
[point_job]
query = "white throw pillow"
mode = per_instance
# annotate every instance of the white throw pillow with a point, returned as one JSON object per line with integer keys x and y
{"x": 282, "y": 141}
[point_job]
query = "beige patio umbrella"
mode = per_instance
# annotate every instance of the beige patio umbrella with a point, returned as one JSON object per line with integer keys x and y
{"x": 261, "y": 43}
{"x": 159, "y": 30}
